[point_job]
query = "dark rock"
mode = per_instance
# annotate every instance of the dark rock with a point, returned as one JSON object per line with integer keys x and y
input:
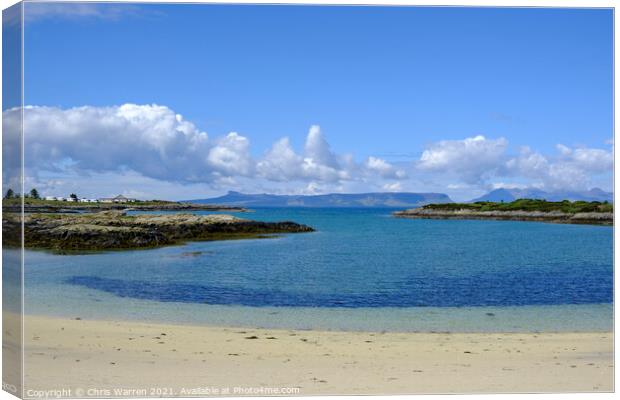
{"x": 115, "y": 230}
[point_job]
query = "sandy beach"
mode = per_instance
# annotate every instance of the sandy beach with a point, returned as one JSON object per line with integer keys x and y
{"x": 96, "y": 357}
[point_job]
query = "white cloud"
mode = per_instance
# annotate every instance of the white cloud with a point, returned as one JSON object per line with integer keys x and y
{"x": 393, "y": 187}
{"x": 471, "y": 159}
{"x": 384, "y": 169}
{"x": 511, "y": 185}
{"x": 281, "y": 163}
{"x": 317, "y": 149}
{"x": 78, "y": 148}
{"x": 572, "y": 168}
{"x": 149, "y": 139}
{"x": 529, "y": 164}
{"x": 590, "y": 160}
{"x": 232, "y": 155}
{"x": 319, "y": 163}
{"x": 158, "y": 143}
{"x": 483, "y": 163}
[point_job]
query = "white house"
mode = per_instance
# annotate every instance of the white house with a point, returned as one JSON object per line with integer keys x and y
{"x": 54, "y": 198}
{"x": 118, "y": 199}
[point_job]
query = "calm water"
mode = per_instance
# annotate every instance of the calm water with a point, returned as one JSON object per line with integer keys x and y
{"x": 362, "y": 269}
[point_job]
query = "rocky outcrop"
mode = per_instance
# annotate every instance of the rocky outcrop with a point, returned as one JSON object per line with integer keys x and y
{"x": 593, "y": 218}
{"x": 116, "y": 230}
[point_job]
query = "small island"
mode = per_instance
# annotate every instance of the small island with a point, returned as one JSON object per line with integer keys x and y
{"x": 114, "y": 229}
{"x": 565, "y": 212}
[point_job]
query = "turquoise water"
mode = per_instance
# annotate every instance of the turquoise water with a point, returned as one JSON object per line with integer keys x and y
{"x": 361, "y": 270}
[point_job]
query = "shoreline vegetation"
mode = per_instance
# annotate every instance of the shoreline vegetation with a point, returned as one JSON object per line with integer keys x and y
{"x": 563, "y": 212}
{"x": 32, "y": 205}
{"x": 114, "y": 229}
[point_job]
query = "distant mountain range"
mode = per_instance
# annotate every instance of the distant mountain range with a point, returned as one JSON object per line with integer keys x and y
{"x": 390, "y": 199}
{"x": 405, "y": 200}
{"x": 507, "y": 195}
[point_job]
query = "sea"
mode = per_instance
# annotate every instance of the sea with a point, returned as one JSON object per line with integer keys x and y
{"x": 362, "y": 270}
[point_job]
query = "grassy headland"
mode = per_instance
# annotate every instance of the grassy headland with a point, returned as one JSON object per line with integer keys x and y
{"x": 41, "y": 205}
{"x": 575, "y": 212}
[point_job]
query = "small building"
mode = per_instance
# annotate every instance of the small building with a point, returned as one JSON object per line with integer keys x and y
{"x": 50, "y": 198}
{"x": 118, "y": 199}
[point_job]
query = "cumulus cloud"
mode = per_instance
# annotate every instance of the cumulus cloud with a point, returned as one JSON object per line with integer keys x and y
{"x": 529, "y": 164}
{"x": 482, "y": 162}
{"x": 158, "y": 143}
{"x": 319, "y": 163}
{"x": 149, "y": 139}
{"x": 231, "y": 155}
{"x": 317, "y": 149}
{"x": 591, "y": 160}
{"x": 384, "y": 169}
{"x": 163, "y": 148}
{"x": 471, "y": 159}
{"x": 571, "y": 168}
{"x": 281, "y": 163}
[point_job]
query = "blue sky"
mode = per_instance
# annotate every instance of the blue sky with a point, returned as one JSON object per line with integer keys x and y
{"x": 391, "y": 83}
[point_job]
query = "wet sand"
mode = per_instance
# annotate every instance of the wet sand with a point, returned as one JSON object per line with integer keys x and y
{"x": 83, "y": 355}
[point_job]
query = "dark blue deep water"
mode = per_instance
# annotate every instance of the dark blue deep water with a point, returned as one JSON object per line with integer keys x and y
{"x": 358, "y": 258}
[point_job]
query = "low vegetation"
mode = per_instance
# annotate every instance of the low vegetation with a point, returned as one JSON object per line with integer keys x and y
{"x": 30, "y": 201}
{"x": 566, "y": 206}
{"x": 562, "y": 212}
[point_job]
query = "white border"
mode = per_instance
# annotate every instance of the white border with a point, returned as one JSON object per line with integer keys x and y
{"x": 470, "y": 3}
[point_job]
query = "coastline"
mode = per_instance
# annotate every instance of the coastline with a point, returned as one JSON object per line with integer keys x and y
{"x": 586, "y": 218}
{"x": 63, "y": 352}
{"x": 115, "y": 230}
{"x": 70, "y": 207}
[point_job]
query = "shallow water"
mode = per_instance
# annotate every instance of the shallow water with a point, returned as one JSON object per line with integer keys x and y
{"x": 361, "y": 270}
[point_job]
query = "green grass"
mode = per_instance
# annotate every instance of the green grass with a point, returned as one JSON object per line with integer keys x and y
{"x": 55, "y": 203}
{"x": 565, "y": 206}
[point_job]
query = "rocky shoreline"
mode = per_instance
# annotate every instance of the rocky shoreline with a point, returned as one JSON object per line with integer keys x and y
{"x": 588, "y": 218}
{"x": 110, "y": 230}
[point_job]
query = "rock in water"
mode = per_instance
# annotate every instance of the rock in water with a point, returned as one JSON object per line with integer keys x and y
{"x": 115, "y": 230}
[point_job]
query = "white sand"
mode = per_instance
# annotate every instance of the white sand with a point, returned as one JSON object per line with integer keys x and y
{"x": 79, "y": 354}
